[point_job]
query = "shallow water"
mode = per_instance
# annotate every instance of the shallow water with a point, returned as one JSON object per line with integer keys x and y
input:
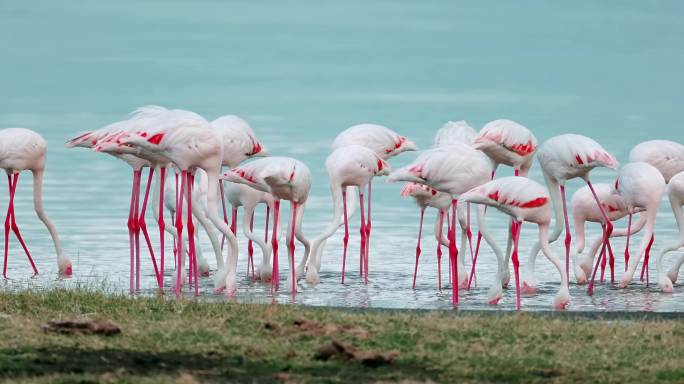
{"x": 302, "y": 71}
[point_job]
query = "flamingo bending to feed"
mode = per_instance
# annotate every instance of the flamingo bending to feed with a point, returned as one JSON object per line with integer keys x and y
{"x": 451, "y": 132}
{"x": 453, "y": 170}
{"x": 509, "y": 143}
{"x": 641, "y": 185}
{"x": 285, "y": 179}
{"x": 524, "y": 200}
{"x": 386, "y": 143}
{"x": 675, "y": 190}
{"x": 351, "y": 165}
{"x": 22, "y": 149}
{"x": 667, "y": 156}
{"x": 188, "y": 140}
{"x": 584, "y": 208}
{"x": 563, "y": 158}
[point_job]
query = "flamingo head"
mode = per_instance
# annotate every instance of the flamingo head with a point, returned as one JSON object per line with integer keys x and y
{"x": 258, "y": 150}
{"x": 65, "y": 267}
{"x": 665, "y": 284}
{"x": 562, "y": 298}
{"x": 383, "y": 168}
{"x": 83, "y": 140}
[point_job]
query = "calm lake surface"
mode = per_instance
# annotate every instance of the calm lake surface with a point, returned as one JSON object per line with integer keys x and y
{"x": 300, "y": 72}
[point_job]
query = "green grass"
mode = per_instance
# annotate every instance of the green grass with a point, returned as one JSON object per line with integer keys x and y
{"x": 165, "y": 340}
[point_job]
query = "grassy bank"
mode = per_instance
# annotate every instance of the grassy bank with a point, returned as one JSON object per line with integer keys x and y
{"x": 168, "y": 340}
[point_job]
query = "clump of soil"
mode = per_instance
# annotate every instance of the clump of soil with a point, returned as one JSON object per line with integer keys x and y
{"x": 82, "y": 326}
{"x": 341, "y": 351}
{"x": 315, "y": 328}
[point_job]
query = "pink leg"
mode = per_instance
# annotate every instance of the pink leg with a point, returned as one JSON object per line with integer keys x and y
{"x": 345, "y": 240}
{"x": 362, "y": 231}
{"x": 629, "y": 226}
{"x": 568, "y": 237}
{"x": 275, "y": 280}
{"x": 268, "y": 214}
{"x": 608, "y": 229}
{"x": 469, "y": 235}
{"x": 162, "y": 225}
{"x": 179, "y": 229}
{"x": 644, "y": 267}
{"x": 602, "y": 256}
{"x": 515, "y": 233}
{"x": 15, "y": 228}
{"x": 604, "y": 262}
{"x": 420, "y": 234}
{"x": 131, "y": 235}
{"x": 8, "y": 219}
{"x": 611, "y": 263}
{"x": 143, "y": 226}
{"x": 250, "y": 248}
{"x": 368, "y": 232}
{"x": 448, "y": 220}
{"x": 439, "y": 251}
{"x": 293, "y": 208}
{"x": 136, "y": 209}
{"x": 225, "y": 214}
{"x": 477, "y": 247}
{"x": 453, "y": 254}
{"x": 191, "y": 234}
{"x": 233, "y": 220}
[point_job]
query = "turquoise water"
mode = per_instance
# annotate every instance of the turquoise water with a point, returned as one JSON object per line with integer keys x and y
{"x": 301, "y": 71}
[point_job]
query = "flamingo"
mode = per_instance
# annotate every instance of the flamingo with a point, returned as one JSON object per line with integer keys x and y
{"x": 641, "y": 185}
{"x": 509, "y": 143}
{"x": 453, "y": 170}
{"x": 285, "y": 179}
{"x": 91, "y": 140}
{"x": 524, "y": 200}
{"x": 584, "y": 208}
{"x": 675, "y": 190}
{"x": 424, "y": 196}
{"x": 351, "y": 165}
{"x": 563, "y": 158}
{"x": 188, "y": 140}
{"x": 667, "y": 156}
{"x": 386, "y": 143}
{"x": 22, "y": 149}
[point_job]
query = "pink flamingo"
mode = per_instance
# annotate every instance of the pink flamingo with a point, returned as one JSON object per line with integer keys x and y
{"x": 22, "y": 149}
{"x": 386, "y": 143}
{"x": 524, "y": 200}
{"x": 91, "y": 140}
{"x": 509, "y": 143}
{"x": 453, "y": 170}
{"x": 285, "y": 179}
{"x": 351, "y": 165}
{"x": 641, "y": 185}
{"x": 563, "y": 158}
{"x": 424, "y": 196}
{"x": 584, "y": 208}
{"x": 190, "y": 143}
{"x": 667, "y": 156}
{"x": 675, "y": 190}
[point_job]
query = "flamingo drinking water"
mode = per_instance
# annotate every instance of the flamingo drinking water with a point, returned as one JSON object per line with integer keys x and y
{"x": 22, "y": 149}
{"x": 675, "y": 191}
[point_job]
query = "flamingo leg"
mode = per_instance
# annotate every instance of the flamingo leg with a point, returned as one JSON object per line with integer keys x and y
{"x": 420, "y": 234}
{"x": 362, "y": 232}
{"x": 345, "y": 240}
{"x": 608, "y": 229}
{"x": 179, "y": 230}
{"x": 611, "y": 263}
{"x": 131, "y": 235}
{"x": 568, "y": 237}
{"x": 469, "y": 235}
{"x": 162, "y": 225}
{"x": 8, "y": 219}
{"x": 250, "y": 247}
{"x": 515, "y": 234}
{"x": 233, "y": 220}
{"x": 291, "y": 246}
{"x": 647, "y": 254}
{"x": 275, "y": 280}
{"x": 602, "y": 256}
{"x": 15, "y": 228}
{"x": 143, "y": 226}
{"x": 368, "y": 232}
{"x": 629, "y": 230}
{"x": 453, "y": 254}
{"x": 191, "y": 234}
{"x": 439, "y": 251}
{"x": 477, "y": 247}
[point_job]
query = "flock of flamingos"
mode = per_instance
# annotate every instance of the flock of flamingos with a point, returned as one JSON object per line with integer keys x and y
{"x": 457, "y": 172}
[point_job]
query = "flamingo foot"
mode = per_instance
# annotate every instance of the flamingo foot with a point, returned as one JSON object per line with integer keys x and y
{"x": 666, "y": 284}
{"x": 529, "y": 287}
{"x": 672, "y": 275}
